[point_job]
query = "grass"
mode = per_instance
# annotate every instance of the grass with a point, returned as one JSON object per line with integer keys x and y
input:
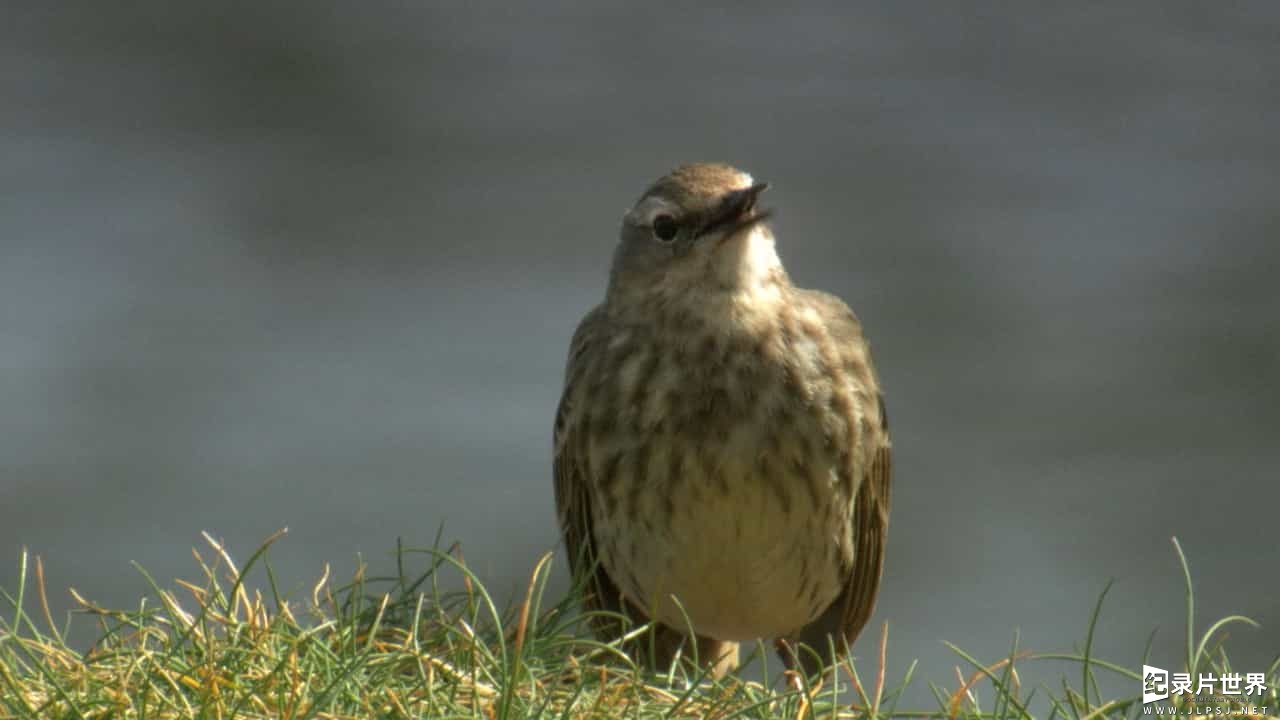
{"x": 403, "y": 647}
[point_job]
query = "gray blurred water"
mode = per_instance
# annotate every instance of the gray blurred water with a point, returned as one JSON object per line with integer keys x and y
{"x": 317, "y": 265}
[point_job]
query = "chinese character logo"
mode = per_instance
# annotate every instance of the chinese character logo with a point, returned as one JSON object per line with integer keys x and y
{"x": 1155, "y": 684}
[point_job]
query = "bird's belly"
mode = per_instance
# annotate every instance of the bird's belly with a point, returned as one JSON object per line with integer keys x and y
{"x": 739, "y": 554}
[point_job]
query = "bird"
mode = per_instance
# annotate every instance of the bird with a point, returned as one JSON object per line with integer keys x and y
{"x": 721, "y": 445}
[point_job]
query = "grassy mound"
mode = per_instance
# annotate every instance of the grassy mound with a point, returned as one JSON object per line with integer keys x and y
{"x": 402, "y": 647}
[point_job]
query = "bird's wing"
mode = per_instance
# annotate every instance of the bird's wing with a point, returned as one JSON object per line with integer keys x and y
{"x": 573, "y": 491}
{"x": 870, "y": 528}
{"x": 870, "y": 524}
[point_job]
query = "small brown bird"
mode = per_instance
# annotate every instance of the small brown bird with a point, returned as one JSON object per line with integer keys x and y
{"x": 722, "y": 452}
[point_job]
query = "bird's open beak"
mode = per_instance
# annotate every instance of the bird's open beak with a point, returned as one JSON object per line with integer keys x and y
{"x": 737, "y": 211}
{"x": 743, "y": 201}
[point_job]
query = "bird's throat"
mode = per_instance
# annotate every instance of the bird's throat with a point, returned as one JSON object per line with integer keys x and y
{"x": 747, "y": 263}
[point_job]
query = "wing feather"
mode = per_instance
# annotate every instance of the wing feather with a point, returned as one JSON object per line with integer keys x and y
{"x": 852, "y": 609}
{"x": 870, "y": 529}
{"x": 573, "y": 491}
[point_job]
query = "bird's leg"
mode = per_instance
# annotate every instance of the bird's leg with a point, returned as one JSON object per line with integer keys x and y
{"x": 802, "y": 658}
{"x": 659, "y": 647}
{"x": 721, "y": 656}
{"x": 665, "y": 643}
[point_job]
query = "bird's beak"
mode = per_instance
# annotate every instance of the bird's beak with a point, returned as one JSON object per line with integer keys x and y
{"x": 741, "y": 202}
{"x": 737, "y": 211}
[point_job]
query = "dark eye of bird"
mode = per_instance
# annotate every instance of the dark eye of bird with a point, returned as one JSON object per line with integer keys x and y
{"x": 665, "y": 228}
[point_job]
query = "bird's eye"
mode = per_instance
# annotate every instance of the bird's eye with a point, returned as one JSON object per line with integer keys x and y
{"x": 665, "y": 228}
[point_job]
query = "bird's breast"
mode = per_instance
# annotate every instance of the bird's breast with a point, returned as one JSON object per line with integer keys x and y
{"x": 722, "y": 470}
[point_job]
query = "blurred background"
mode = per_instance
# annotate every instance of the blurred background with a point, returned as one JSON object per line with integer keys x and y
{"x": 317, "y": 265}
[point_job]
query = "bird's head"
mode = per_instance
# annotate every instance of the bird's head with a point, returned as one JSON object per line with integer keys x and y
{"x": 697, "y": 228}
